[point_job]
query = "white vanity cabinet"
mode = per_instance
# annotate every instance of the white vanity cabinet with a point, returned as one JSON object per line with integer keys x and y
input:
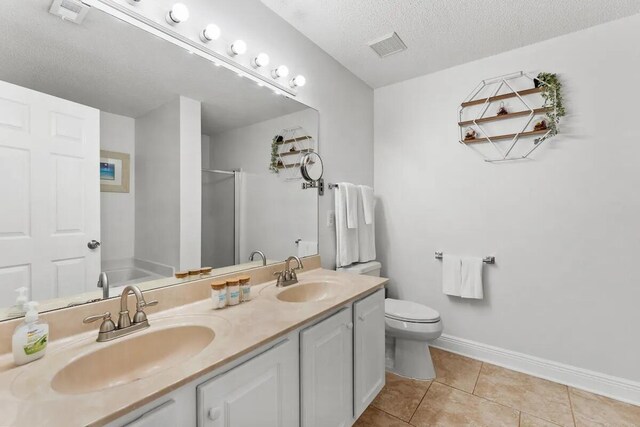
{"x": 326, "y": 372}
{"x": 368, "y": 350}
{"x": 263, "y": 391}
{"x": 342, "y": 365}
{"x": 323, "y": 375}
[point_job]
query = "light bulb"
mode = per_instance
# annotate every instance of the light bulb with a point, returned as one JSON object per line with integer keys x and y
{"x": 211, "y": 32}
{"x": 298, "y": 81}
{"x": 280, "y": 71}
{"x": 238, "y": 47}
{"x": 178, "y": 13}
{"x": 262, "y": 60}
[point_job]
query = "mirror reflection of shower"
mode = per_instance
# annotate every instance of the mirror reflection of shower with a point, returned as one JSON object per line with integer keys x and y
{"x": 221, "y": 217}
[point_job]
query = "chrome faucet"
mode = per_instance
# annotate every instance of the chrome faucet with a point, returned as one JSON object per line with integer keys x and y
{"x": 103, "y": 282}
{"x": 264, "y": 259}
{"x": 288, "y": 276}
{"x": 126, "y": 325}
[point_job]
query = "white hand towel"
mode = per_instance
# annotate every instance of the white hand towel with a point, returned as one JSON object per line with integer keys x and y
{"x": 352, "y": 204}
{"x": 346, "y": 238}
{"x": 307, "y": 248}
{"x": 451, "y": 275}
{"x": 368, "y": 203}
{"x": 366, "y": 231}
{"x": 471, "y": 275}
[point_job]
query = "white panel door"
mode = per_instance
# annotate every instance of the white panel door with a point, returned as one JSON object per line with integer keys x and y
{"x": 50, "y": 192}
{"x": 326, "y": 372}
{"x": 263, "y": 391}
{"x": 368, "y": 360}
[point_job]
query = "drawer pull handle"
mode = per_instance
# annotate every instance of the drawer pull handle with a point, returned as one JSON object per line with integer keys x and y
{"x": 361, "y": 318}
{"x": 214, "y": 414}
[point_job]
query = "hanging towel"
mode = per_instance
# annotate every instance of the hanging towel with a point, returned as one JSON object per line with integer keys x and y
{"x": 352, "y": 204}
{"x": 451, "y": 274}
{"x": 366, "y": 230}
{"x": 471, "y": 278}
{"x": 307, "y": 248}
{"x": 368, "y": 203}
{"x": 346, "y": 238}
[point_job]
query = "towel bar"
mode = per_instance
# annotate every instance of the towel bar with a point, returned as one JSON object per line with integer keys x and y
{"x": 332, "y": 186}
{"x": 486, "y": 260}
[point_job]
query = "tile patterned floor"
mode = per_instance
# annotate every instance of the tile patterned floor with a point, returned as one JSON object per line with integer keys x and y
{"x": 467, "y": 392}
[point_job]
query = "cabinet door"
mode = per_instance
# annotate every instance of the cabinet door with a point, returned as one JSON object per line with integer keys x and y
{"x": 165, "y": 415}
{"x": 261, "y": 392}
{"x": 369, "y": 360}
{"x": 326, "y": 369}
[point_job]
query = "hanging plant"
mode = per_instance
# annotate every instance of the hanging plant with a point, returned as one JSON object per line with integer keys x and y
{"x": 553, "y": 102}
{"x": 275, "y": 160}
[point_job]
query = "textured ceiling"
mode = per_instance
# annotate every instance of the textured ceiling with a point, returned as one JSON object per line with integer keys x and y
{"x": 115, "y": 67}
{"x": 439, "y": 33}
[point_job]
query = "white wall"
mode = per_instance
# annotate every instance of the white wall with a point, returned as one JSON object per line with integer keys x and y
{"x": 117, "y": 210}
{"x": 275, "y": 212}
{"x": 157, "y": 215}
{"x": 345, "y": 103}
{"x": 563, "y": 227}
{"x": 190, "y": 183}
{"x": 168, "y": 163}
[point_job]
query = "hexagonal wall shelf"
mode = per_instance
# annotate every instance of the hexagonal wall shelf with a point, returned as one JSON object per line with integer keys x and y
{"x": 504, "y": 131}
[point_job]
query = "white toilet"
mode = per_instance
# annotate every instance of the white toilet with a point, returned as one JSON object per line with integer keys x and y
{"x": 409, "y": 327}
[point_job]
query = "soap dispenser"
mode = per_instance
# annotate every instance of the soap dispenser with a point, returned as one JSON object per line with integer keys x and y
{"x": 18, "y": 309}
{"x": 30, "y": 337}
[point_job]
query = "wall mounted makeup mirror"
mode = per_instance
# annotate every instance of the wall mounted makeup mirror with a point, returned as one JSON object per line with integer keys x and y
{"x": 312, "y": 169}
{"x": 111, "y": 134}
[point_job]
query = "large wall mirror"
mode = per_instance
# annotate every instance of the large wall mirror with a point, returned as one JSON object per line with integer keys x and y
{"x": 123, "y": 153}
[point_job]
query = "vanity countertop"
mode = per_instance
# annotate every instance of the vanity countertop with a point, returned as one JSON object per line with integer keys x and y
{"x": 27, "y": 398}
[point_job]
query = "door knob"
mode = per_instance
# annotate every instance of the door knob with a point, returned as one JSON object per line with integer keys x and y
{"x": 94, "y": 244}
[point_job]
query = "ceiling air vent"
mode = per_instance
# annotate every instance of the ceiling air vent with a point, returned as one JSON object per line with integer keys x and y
{"x": 388, "y": 45}
{"x": 69, "y": 10}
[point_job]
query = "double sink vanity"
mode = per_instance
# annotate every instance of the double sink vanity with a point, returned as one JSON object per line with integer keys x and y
{"x": 308, "y": 354}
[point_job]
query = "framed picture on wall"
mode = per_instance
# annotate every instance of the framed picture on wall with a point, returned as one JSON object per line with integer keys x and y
{"x": 114, "y": 172}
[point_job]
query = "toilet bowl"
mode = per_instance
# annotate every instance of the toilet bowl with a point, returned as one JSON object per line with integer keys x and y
{"x": 408, "y": 328}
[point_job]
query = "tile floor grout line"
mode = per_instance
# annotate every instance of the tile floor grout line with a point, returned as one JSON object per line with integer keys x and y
{"x": 573, "y": 415}
{"x": 421, "y": 400}
{"x": 477, "y": 378}
{"x": 543, "y": 419}
{"x": 391, "y": 415}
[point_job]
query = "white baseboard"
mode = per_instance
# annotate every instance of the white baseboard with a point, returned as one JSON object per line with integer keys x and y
{"x": 595, "y": 382}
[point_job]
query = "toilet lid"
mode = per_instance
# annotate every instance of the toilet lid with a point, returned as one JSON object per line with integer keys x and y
{"x": 408, "y": 311}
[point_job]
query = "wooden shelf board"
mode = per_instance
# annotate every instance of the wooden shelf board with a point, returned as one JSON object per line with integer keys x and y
{"x": 289, "y": 141}
{"x": 506, "y": 136}
{"x": 292, "y": 165}
{"x": 291, "y": 153}
{"x": 503, "y": 96}
{"x": 503, "y": 117}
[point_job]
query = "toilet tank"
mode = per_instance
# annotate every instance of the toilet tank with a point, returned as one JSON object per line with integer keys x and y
{"x": 371, "y": 268}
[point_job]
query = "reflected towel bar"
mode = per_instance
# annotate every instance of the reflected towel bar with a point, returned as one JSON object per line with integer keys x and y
{"x": 486, "y": 260}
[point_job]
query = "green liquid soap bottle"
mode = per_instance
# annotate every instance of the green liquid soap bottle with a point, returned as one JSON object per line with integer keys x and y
{"x": 30, "y": 338}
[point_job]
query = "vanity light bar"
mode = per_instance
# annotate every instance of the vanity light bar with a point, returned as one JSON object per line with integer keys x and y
{"x": 135, "y": 16}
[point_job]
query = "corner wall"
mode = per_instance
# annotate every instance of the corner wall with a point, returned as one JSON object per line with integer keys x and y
{"x": 563, "y": 227}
